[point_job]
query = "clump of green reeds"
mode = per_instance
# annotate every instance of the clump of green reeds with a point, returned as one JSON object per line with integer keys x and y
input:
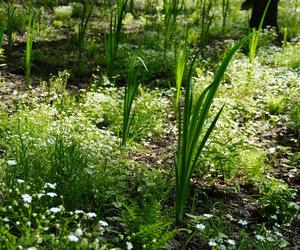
{"x": 131, "y": 88}
{"x": 112, "y": 39}
{"x": 256, "y": 36}
{"x": 88, "y": 7}
{"x": 10, "y": 22}
{"x": 193, "y": 133}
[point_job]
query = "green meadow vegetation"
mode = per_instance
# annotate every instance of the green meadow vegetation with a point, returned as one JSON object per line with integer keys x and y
{"x": 138, "y": 124}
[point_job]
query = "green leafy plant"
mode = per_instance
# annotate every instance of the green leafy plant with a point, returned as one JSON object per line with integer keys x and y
{"x": 256, "y": 36}
{"x": 88, "y": 7}
{"x": 2, "y": 29}
{"x": 276, "y": 201}
{"x": 10, "y": 22}
{"x": 29, "y": 42}
{"x": 192, "y": 127}
{"x": 112, "y": 39}
{"x": 130, "y": 92}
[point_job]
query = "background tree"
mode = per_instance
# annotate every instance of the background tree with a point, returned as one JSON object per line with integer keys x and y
{"x": 258, "y": 7}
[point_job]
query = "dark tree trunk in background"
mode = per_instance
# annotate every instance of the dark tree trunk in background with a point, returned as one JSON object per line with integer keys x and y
{"x": 258, "y": 11}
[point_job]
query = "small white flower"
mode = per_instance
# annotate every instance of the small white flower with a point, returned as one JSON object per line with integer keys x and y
{"x": 26, "y": 198}
{"x": 103, "y": 223}
{"x": 259, "y": 237}
{"x": 40, "y": 195}
{"x": 212, "y": 243}
{"x": 20, "y": 181}
{"x": 50, "y": 185}
{"x": 229, "y": 216}
{"x": 91, "y": 215}
{"x": 51, "y": 194}
{"x": 79, "y": 212}
{"x": 129, "y": 245}
{"x": 78, "y": 232}
{"x": 200, "y": 226}
{"x": 270, "y": 239}
{"x": 73, "y": 238}
{"x": 12, "y": 162}
{"x": 243, "y": 222}
{"x": 31, "y": 248}
{"x": 231, "y": 242}
{"x": 54, "y": 210}
{"x": 208, "y": 215}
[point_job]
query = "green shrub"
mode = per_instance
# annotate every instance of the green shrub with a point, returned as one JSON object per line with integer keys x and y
{"x": 62, "y": 13}
{"x": 276, "y": 201}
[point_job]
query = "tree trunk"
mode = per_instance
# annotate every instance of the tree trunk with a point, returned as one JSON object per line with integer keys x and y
{"x": 258, "y": 11}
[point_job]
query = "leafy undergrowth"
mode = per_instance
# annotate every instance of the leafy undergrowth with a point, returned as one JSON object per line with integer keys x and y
{"x": 66, "y": 181}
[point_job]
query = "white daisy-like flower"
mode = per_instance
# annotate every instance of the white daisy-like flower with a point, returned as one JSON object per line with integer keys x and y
{"x": 73, "y": 238}
{"x": 12, "y": 162}
{"x": 50, "y": 185}
{"x": 20, "y": 181}
{"x": 129, "y": 245}
{"x": 54, "y": 210}
{"x": 51, "y": 194}
{"x": 103, "y": 223}
{"x": 26, "y": 198}
{"x": 259, "y": 237}
{"x": 208, "y": 215}
{"x": 91, "y": 215}
{"x": 200, "y": 226}
{"x": 31, "y": 248}
{"x": 243, "y": 222}
{"x": 231, "y": 242}
{"x": 79, "y": 212}
{"x": 212, "y": 243}
{"x": 78, "y": 232}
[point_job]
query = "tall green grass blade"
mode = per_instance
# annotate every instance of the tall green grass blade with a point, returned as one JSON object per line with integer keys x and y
{"x": 29, "y": 42}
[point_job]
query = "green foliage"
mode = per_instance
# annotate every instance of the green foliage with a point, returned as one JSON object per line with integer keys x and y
{"x": 88, "y": 7}
{"x": 276, "y": 105}
{"x": 112, "y": 39}
{"x": 10, "y": 22}
{"x": 146, "y": 226}
{"x": 276, "y": 201}
{"x": 131, "y": 88}
{"x": 62, "y": 13}
{"x": 191, "y": 127}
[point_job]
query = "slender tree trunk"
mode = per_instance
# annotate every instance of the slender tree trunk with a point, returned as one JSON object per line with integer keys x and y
{"x": 258, "y": 10}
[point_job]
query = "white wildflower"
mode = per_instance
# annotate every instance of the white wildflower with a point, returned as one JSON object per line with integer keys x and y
{"x": 26, "y": 198}
{"x": 54, "y": 210}
{"x": 50, "y": 185}
{"x": 31, "y": 248}
{"x": 51, "y": 194}
{"x": 129, "y": 245}
{"x": 103, "y": 223}
{"x": 91, "y": 215}
{"x": 259, "y": 237}
{"x": 79, "y": 212}
{"x": 12, "y": 162}
{"x": 231, "y": 242}
{"x": 230, "y": 217}
{"x": 73, "y": 238}
{"x": 20, "y": 181}
{"x": 78, "y": 232}
{"x": 200, "y": 226}
{"x": 208, "y": 215}
{"x": 212, "y": 243}
{"x": 243, "y": 222}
